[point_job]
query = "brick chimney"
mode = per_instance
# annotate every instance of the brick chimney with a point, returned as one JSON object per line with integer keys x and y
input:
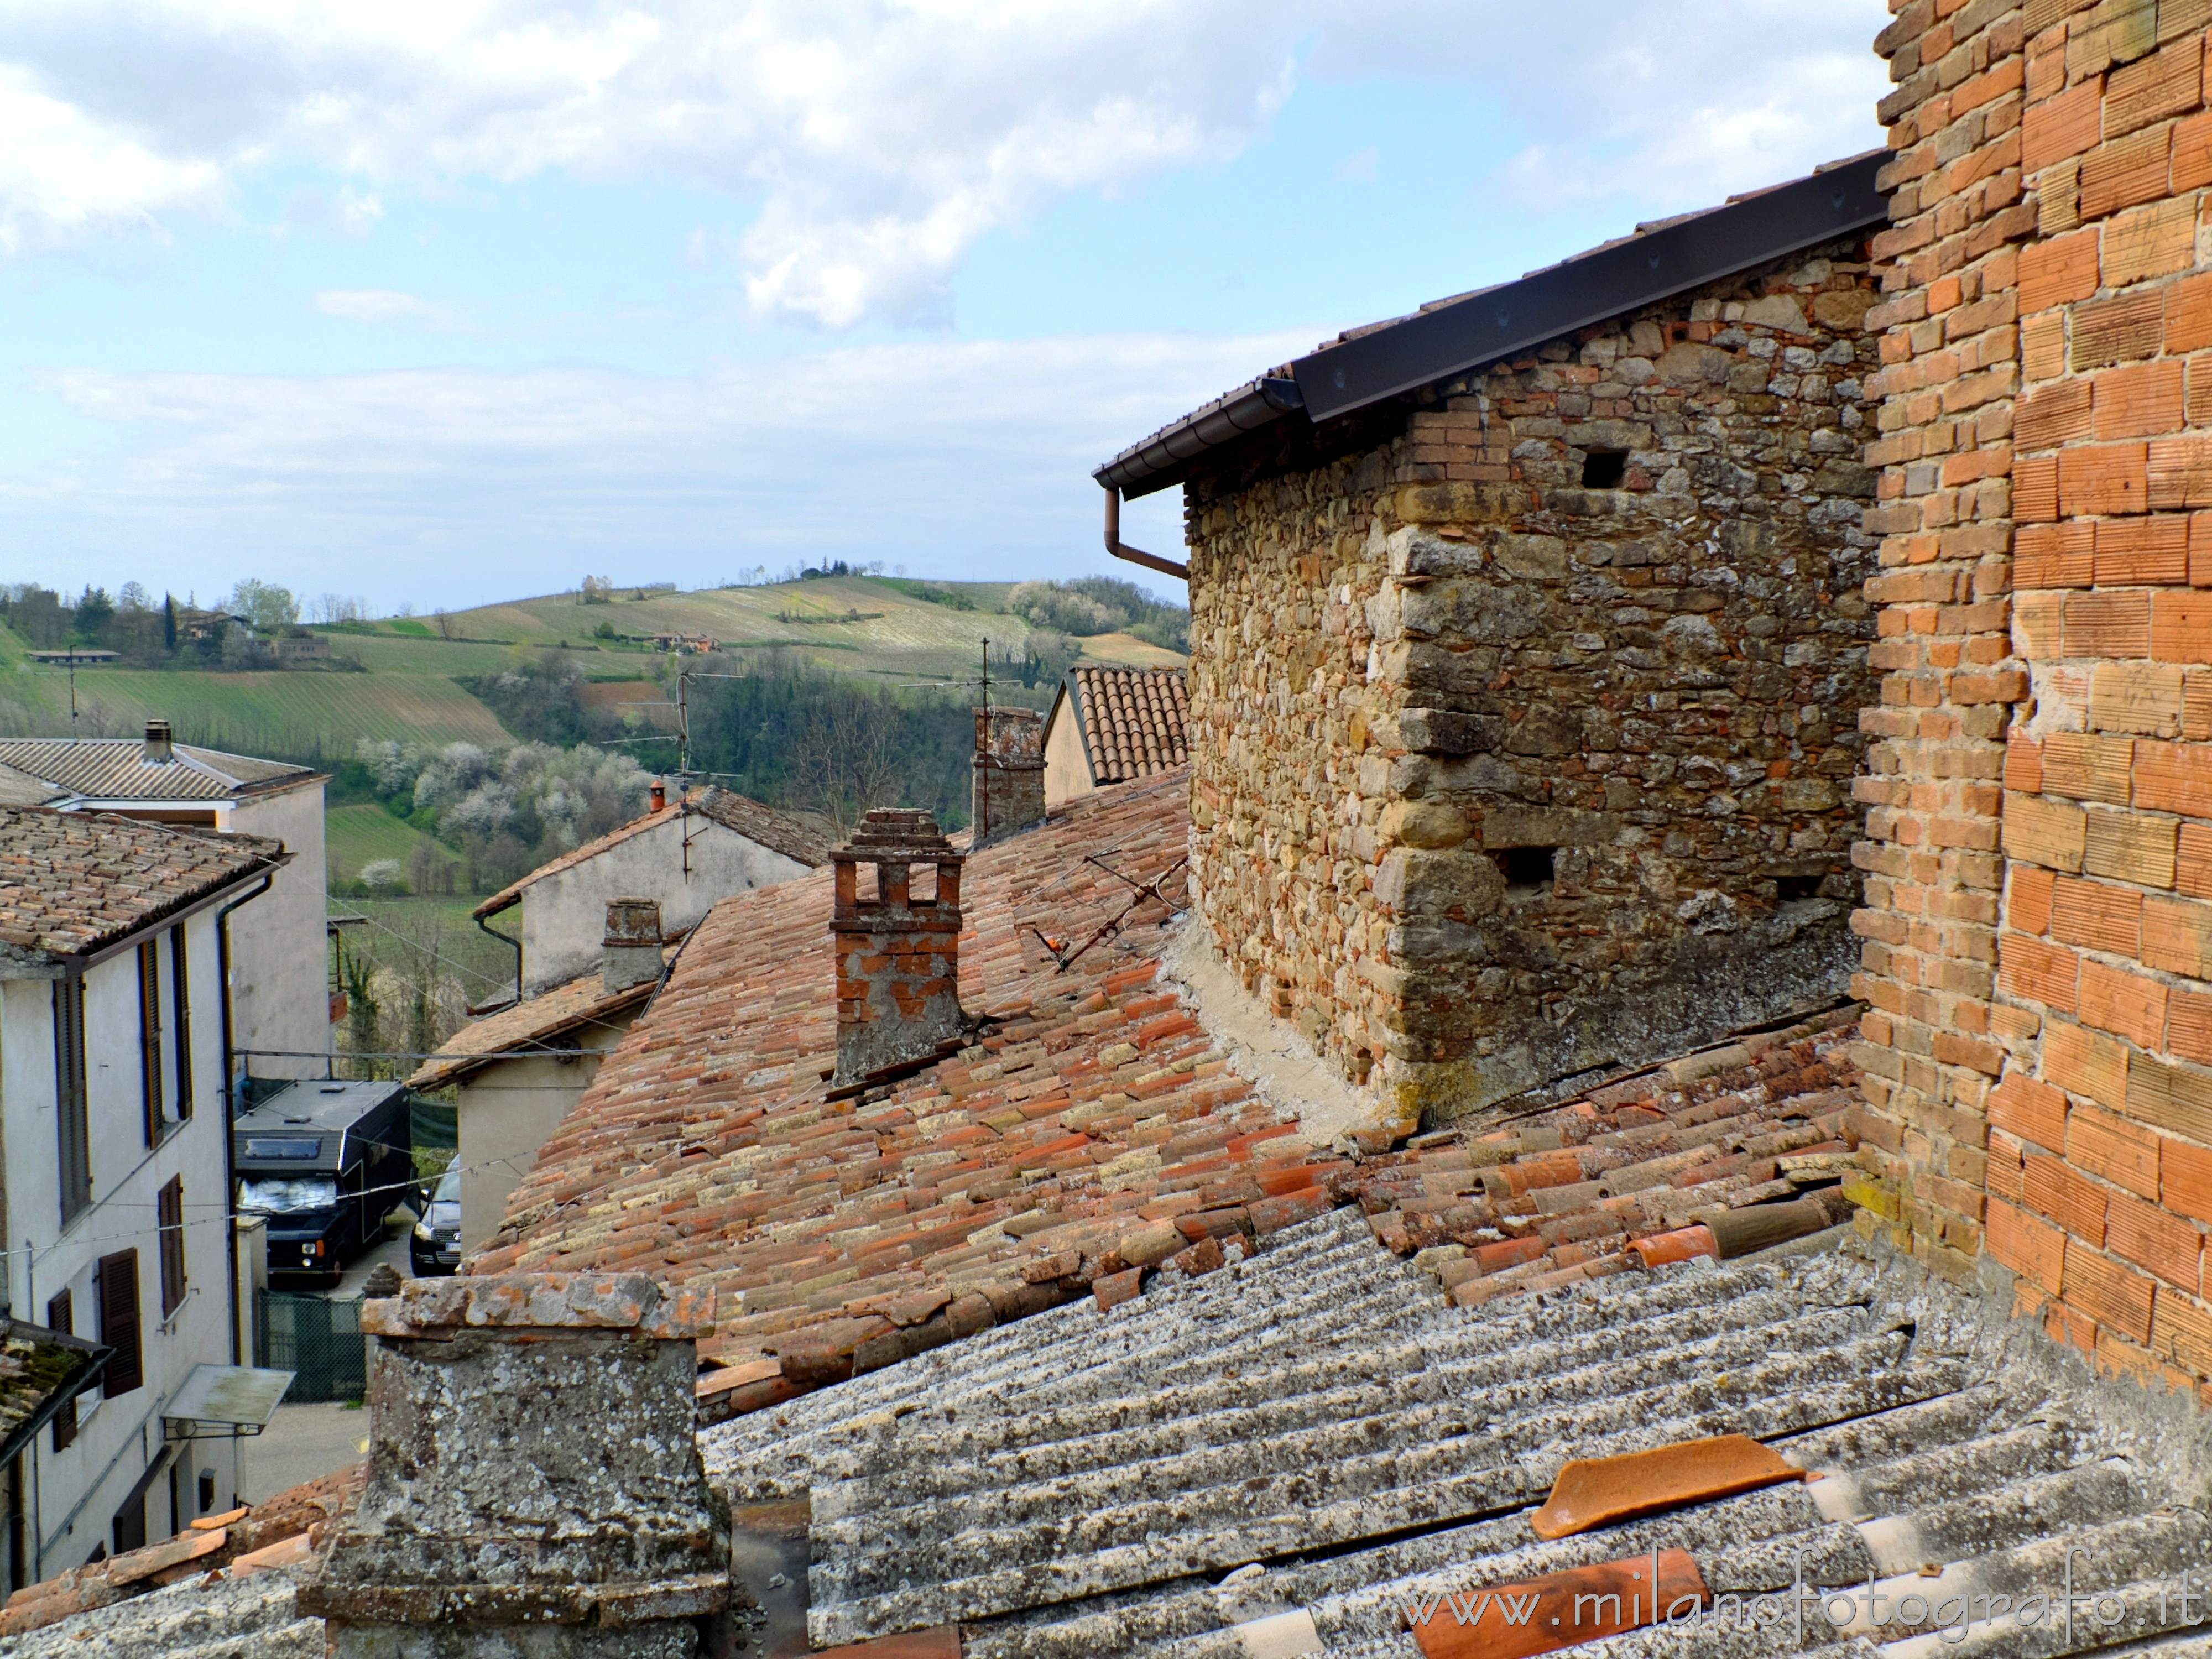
{"x": 899, "y": 957}
{"x": 161, "y": 745}
{"x": 489, "y": 1524}
{"x": 631, "y": 952}
{"x": 1009, "y": 773}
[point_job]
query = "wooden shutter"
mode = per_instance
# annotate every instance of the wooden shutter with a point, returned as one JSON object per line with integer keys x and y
{"x": 119, "y": 1321}
{"x": 181, "y": 1018}
{"x": 60, "y": 1317}
{"x": 73, "y": 1130}
{"x": 170, "y": 1209}
{"x": 149, "y": 1038}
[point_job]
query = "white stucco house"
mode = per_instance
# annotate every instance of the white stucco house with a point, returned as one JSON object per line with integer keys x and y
{"x": 114, "y": 1042}
{"x": 280, "y": 979}
{"x": 685, "y": 856}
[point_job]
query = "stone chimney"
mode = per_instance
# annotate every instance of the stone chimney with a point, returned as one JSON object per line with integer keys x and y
{"x": 899, "y": 957}
{"x": 631, "y": 952}
{"x": 534, "y": 1485}
{"x": 1009, "y": 773}
{"x": 161, "y": 746}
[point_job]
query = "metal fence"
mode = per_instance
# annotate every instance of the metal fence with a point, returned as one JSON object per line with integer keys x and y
{"x": 318, "y": 1340}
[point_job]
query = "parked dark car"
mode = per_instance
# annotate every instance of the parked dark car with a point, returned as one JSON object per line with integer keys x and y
{"x": 436, "y": 1247}
{"x": 324, "y": 1162}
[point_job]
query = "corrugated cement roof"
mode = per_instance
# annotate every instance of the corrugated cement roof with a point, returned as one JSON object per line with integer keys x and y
{"x": 116, "y": 768}
{"x": 1315, "y": 1432}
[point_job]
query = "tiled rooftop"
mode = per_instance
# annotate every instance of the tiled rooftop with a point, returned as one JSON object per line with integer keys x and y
{"x": 574, "y": 1010}
{"x": 757, "y": 823}
{"x": 116, "y": 768}
{"x": 1092, "y": 1126}
{"x": 1133, "y": 720}
{"x": 69, "y": 883}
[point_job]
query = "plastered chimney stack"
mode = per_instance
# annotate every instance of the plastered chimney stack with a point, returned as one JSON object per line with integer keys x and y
{"x": 897, "y": 951}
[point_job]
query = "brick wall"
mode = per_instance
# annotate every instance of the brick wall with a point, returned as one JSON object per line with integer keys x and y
{"x": 1500, "y": 772}
{"x": 2037, "y": 933}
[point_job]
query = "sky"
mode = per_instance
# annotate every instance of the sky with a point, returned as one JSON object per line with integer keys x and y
{"x": 434, "y": 302}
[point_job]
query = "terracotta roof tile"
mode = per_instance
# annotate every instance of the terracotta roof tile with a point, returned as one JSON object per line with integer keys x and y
{"x": 1133, "y": 720}
{"x": 757, "y": 823}
{"x": 70, "y": 882}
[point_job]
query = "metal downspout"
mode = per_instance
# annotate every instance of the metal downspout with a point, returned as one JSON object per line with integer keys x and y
{"x": 1122, "y": 549}
{"x": 230, "y": 1107}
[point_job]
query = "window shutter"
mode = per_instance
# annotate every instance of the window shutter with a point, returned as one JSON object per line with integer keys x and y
{"x": 149, "y": 1038}
{"x": 119, "y": 1321}
{"x": 181, "y": 1017}
{"x": 72, "y": 1129}
{"x": 60, "y": 1317}
{"x": 170, "y": 1203}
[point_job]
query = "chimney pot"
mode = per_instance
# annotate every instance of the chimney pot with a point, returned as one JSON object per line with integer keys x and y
{"x": 660, "y": 796}
{"x": 630, "y": 950}
{"x": 160, "y": 746}
{"x": 898, "y": 957}
{"x": 1009, "y": 773}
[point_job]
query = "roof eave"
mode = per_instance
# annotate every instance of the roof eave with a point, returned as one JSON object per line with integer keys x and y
{"x": 1498, "y": 323}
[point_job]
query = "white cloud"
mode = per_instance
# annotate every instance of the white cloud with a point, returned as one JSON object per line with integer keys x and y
{"x": 954, "y": 458}
{"x": 345, "y": 211}
{"x": 385, "y": 308}
{"x": 877, "y": 140}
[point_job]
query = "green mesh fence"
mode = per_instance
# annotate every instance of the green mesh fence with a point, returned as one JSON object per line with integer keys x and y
{"x": 317, "y": 1340}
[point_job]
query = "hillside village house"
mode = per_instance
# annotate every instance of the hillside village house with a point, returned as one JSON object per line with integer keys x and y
{"x": 1107, "y": 726}
{"x": 593, "y": 927}
{"x": 684, "y": 856}
{"x": 1075, "y": 1333}
{"x": 1526, "y": 636}
{"x": 115, "y": 937}
{"x": 280, "y": 982}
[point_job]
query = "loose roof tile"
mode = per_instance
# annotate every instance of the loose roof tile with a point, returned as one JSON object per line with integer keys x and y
{"x": 116, "y": 768}
{"x": 71, "y": 882}
{"x": 1132, "y": 719}
{"x": 747, "y": 816}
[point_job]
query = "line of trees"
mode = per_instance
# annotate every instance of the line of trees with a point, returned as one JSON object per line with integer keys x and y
{"x": 243, "y": 629}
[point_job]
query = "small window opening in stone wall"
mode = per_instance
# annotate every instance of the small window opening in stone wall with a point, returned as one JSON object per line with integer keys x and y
{"x": 1787, "y": 888}
{"x": 1604, "y": 469}
{"x": 922, "y": 885}
{"x": 1527, "y": 870}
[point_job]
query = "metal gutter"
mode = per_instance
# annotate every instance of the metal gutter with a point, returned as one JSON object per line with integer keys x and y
{"x": 1514, "y": 317}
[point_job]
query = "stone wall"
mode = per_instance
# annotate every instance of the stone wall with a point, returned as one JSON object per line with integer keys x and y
{"x": 2046, "y": 1066}
{"x": 1507, "y": 764}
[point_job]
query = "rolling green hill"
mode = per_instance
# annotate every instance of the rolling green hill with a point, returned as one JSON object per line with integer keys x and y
{"x": 875, "y": 629}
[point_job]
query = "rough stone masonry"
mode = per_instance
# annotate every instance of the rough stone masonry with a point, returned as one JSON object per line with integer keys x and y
{"x": 1524, "y": 728}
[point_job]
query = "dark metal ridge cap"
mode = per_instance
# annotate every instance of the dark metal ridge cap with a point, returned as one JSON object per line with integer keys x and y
{"x": 1498, "y": 322}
